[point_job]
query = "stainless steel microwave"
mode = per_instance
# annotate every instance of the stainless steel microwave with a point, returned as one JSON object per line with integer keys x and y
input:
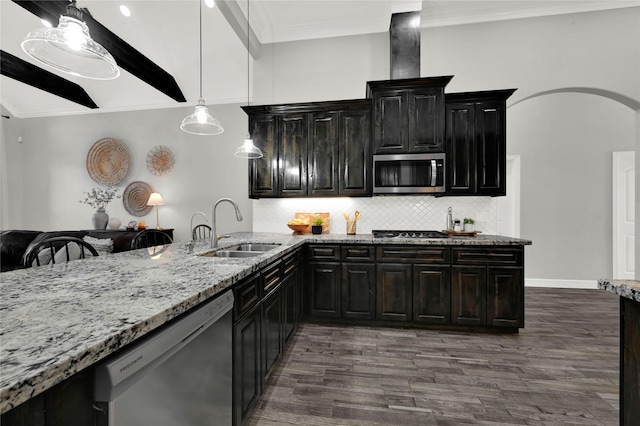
{"x": 408, "y": 173}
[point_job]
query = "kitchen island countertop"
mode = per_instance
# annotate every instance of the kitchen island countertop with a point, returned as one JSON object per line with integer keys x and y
{"x": 629, "y": 289}
{"x": 57, "y": 320}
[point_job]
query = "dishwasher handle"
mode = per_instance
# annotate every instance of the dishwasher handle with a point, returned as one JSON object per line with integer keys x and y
{"x": 113, "y": 378}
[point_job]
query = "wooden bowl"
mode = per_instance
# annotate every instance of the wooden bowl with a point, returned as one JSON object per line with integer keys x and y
{"x": 298, "y": 229}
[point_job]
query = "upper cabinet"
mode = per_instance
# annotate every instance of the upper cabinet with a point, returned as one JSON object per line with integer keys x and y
{"x": 408, "y": 115}
{"x": 476, "y": 142}
{"x": 311, "y": 149}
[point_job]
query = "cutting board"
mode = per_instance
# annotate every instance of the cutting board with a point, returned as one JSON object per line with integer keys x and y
{"x": 308, "y": 217}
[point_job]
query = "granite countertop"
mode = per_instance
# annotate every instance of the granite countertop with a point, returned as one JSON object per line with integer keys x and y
{"x": 629, "y": 289}
{"x": 57, "y": 320}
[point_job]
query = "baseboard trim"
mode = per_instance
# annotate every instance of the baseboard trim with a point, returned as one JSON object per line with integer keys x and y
{"x": 542, "y": 282}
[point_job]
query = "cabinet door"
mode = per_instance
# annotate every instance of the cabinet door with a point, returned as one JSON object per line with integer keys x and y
{"x": 289, "y": 305}
{"x": 358, "y": 290}
{"x": 469, "y": 295}
{"x": 293, "y": 155}
{"x": 432, "y": 294}
{"x": 490, "y": 148}
{"x": 505, "y": 297}
{"x": 355, "y": 152}
{"x": 394, "y": 288}
{"x": 263, "y": 172}
{"x": 323, "y": 154}
{"x": 272, "y": 341}
{"x": 389, "y": 121}
{"x": 246, "y": 364}
{"x": 323, "y": 285}
{"x": 426, "y": 120}
{"x": 460, "y": 139}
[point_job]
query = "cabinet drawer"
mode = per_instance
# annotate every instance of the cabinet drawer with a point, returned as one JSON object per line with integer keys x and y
{"x": 413, "y": 254}
{"x": 271, "y": 277}
{"x": 358, "y": 253}
{"x": 487, "y": 256}
{"x": 289, "y": 263}
{"x": 246, "y": 295}
{"x": 324, "y": 252}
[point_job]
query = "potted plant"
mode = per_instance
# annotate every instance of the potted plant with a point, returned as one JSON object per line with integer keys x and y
{"x": 316, "y": 225}
{"x": 469, "y": 224}
{"x": 98, "y": 198}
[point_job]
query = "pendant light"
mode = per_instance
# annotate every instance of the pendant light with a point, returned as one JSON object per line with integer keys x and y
{"x": 201, "y": 122}
{"x": 248, "y": 149}
{"x": 69, "y": 48}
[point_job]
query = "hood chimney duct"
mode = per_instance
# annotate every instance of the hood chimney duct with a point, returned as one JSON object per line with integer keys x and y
{"x": 404, "y": 40}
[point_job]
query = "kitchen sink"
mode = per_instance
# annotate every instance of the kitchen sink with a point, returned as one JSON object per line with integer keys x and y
{"x": 253, "y": 247}
{"x": 242, "y": 250}
{"x": 231, "y": 253}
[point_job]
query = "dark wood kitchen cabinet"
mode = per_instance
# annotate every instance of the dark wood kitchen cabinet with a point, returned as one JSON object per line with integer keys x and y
{"x": 358, "y": 286}
{"x": 323, "y": 286}
{"x": 488, "y": 287}
{"x": 432, "y": 294}
{"x": 247, "y": 376}
{"x": 394, "y": 292}
{"x": 408, "y": 115}
{"x": 311, "y": 149}
{"x": 476, "y": 142}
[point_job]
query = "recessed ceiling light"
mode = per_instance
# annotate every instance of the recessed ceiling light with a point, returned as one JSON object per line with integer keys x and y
{"x": 210, "y": 3}
{"x": 125, "y": 10}
{"x": 46, "y": 23}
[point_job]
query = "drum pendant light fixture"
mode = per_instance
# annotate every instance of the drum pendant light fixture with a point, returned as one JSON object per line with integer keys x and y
{"x": 248, "y": 149}
{"x": 69, "y": 48}
{"x": 201, "y": 122}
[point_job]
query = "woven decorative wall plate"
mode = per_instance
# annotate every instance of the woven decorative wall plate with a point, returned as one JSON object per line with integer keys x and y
{"x": 135, "y": 198}
{"x": 160, "y": 160}
{"x": 108, "y": 161}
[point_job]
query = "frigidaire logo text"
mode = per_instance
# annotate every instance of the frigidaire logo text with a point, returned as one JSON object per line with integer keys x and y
{"x": 131, "y": 364}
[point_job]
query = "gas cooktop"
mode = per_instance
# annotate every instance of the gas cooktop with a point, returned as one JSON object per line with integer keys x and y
{"x": 408, "y": 234}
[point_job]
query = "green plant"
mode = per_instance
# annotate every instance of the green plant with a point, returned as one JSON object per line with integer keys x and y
{"x": 317, "y": 221}
{"x": 469, "y": 220}
{"x": 98, "y": 198}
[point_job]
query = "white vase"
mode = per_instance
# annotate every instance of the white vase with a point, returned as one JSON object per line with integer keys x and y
{"x": 469, "y": 227}
{"x": 100, "y": 219}
{"x": 114, "y": 223}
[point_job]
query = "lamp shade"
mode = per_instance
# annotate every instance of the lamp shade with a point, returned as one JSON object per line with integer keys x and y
{"x": 248, "y": 149}
{"x": 201, "y": 122}
{"x": 155, "y": 199}
{"x": 69, "y": 48}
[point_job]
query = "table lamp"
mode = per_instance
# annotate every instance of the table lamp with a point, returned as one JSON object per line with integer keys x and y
{"x": 155, "y": 199}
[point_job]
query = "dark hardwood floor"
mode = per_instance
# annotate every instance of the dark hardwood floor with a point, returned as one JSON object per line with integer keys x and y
{"x": 562, "y": 369}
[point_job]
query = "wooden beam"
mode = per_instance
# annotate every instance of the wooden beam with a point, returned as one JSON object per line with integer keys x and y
{"x": 25, "y": 72}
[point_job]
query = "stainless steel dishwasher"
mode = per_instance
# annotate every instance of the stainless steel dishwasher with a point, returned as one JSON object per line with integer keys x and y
{"x": 180, "y": 376}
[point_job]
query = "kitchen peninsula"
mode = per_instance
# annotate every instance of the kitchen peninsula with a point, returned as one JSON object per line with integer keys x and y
{"x": 629, "y": 292}
{"x": 59, "y": 321}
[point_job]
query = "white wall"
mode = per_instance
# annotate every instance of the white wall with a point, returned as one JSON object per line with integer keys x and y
{"x": 44, "y": 191}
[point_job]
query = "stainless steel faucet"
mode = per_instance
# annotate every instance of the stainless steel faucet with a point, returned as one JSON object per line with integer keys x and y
{"x": 191, "y": 226}
{"x": 214, "y": 234}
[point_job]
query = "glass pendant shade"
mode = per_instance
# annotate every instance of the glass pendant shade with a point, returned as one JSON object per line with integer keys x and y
{"x": 69, "y": 48}
{"x": 201, "y": 122}
{"x": 248, "y": 149}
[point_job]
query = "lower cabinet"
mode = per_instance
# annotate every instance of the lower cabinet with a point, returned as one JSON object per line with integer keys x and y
{"x": 358, "y": 288}
{"x": 247, "y": 374}
{"x": 432, "y": 294}
{"x": 394, "y": 289}
{"x": 266, "y": 312}
{"x": 458, "y": 287}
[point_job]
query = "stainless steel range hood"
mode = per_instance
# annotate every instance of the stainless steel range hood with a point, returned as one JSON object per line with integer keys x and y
{"x": 404, "y": 40}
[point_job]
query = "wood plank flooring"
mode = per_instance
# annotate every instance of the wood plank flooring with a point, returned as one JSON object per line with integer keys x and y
{"x": 562, "y": 369}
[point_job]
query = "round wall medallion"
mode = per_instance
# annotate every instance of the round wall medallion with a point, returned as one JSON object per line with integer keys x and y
{"x": 135, "y": 198}
{"x": 108, "y": 161}
{"x": 160, "y": 160}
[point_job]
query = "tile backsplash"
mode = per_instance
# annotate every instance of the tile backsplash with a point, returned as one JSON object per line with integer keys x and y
{"x": 384, "y": 212}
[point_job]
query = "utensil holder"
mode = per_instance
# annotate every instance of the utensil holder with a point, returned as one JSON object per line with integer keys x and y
{"x": 351, "y": 227}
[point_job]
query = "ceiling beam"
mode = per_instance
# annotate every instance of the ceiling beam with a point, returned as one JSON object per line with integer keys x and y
{"x": 238, "y": 22}
{"x": 25, "y": 72}
{"x": 127, "y": 57}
